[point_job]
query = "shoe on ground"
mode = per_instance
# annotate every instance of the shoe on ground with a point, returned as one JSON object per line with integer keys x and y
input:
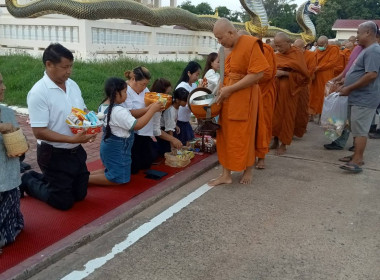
{"x": 352, "y": 149}
{"x": 374, "y": 135}
{"x": 24, "y": 167}
{"x": 332, "y": 146}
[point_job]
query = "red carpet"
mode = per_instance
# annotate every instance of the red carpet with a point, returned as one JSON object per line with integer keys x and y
{"x": 44, "y": 225}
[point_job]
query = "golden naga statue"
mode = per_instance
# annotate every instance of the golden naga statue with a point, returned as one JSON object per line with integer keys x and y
{"x": 134, "y": 11}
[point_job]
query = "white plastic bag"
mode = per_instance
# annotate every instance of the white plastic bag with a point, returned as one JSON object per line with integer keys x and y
{"x": 334, "y": 115}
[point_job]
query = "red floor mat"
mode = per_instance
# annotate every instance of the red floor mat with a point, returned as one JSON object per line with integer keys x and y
{"x": 45, "y": 225}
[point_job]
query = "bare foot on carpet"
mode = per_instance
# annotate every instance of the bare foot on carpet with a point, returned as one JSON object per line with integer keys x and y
{"x": 281, "y": 150}
{"x": 221, "y": 180}
{"x": 247, "y": 176}
{"x": 260, "y": 164}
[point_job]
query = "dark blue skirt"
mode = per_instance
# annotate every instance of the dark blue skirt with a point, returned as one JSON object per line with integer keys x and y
{"x": 186, "y": 134}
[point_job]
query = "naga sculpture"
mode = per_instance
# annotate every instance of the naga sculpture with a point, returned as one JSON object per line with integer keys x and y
{"x": 134, "y": 11}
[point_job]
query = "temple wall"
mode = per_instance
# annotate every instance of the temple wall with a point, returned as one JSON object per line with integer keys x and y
{"x": 102, "y": 39}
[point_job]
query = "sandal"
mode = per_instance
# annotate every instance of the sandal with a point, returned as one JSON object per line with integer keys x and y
{"x": 351, "y": 167}
{"x": 348, "y": 159}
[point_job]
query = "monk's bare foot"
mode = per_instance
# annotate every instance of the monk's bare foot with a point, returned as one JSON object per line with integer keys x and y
{"x": 222, "y": 180}
{"x": 275, "y": 144}
{"x": 247, "y": 176}
{"x": 281, "y": 150}
{"x": 260, "y": 164}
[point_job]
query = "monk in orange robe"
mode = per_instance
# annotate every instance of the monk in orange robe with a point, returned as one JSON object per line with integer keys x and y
{"x": 268, "y": 93}
{"x": 239, "y": 98}
{"x": 292, "y": 77}
{"x": 302, "y": 115}
{"x": 341, "y": 63}
{"x": 327, "y": 59}
{"x": 348, "y": 47}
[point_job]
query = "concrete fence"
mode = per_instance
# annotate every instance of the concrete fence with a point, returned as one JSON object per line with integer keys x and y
{"x": 102, "y": 39}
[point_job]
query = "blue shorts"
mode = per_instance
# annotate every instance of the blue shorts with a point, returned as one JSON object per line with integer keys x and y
{"x": 115, "y": 153}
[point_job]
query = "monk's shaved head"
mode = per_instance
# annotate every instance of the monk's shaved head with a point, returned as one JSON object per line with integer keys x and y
{"x": 282, "y": 42}
{"x": 349, "y": 45}
{"x": 352, "y": 39}
{"x": 323, "y": 40}
{"x": 224, "y": 24}
{"x": 226, "y": 33}
{"x": 282, "y": 36}
{"x": 299, "y": 43}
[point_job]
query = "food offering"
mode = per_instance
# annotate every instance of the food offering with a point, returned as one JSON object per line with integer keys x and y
{"x": 152, "y": 97}
{"x": 78, "y": 120}
{"x": 178, "y": 158}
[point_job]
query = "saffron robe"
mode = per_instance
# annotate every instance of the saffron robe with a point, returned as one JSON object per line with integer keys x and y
{"x": 236, "y": 138}
{"x": 302, "y": 115}
{"x": 326, "y": 61}
{"x": 346, "y": 53}
{"x": 268, "y": 94}
{"x": 341, "y": 64}
{"x": 289, "y": 89}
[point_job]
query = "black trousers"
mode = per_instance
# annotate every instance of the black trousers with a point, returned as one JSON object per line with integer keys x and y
{"x": 143, "y": 153}
{"x": 64, "y": 179}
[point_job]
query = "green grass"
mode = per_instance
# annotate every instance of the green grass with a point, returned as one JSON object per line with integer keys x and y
{"x": 21, "y": 72}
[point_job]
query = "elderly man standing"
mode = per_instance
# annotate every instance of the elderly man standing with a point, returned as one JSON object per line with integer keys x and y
{"x": 362, "y": 86}
{"x": 59, "y": 154}
{"x": 239, "y": 97}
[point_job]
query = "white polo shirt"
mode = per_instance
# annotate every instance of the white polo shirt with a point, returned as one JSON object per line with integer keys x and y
{"x": 184, "y": 113}
{"x": 49, "y": 106}
{"x": 136, "y": 101}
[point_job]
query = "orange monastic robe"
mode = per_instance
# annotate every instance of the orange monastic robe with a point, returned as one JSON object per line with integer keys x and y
{"x": 268, "y": 93}
{"x": 347, "y": 54}
{"x": 236, "y": 138}
{"x": 289, "y": 89}
{"x": 341, "y": 64}
{"x": 326, "y": 61}
{"x": 302, "y": 116}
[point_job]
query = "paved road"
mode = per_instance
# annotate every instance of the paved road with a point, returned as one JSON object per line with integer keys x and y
{"x": 302, "y": 218}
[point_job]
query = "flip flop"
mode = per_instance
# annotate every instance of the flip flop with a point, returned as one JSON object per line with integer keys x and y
{"x": 351, "y": 167}
{"x": 348, "y": 159}
{"x": 260, "y": 167}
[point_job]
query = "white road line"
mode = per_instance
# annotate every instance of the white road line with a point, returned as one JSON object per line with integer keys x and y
{"x": 135, "y": 235}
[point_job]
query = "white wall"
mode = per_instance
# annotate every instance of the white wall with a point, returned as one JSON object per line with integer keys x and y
{"x": 103, "y": 39}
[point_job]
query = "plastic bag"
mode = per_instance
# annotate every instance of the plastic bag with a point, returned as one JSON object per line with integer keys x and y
{"x": 334, "y": 115}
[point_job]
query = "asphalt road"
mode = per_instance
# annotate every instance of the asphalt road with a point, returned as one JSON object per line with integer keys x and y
{"x": 301, "y": 218}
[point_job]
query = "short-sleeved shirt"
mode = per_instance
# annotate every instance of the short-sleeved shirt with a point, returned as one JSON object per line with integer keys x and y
{"x": 212, "y": 79}
{"x": 122, "y": 122}
{"x": 9, "y": 167}
{"x": 49, "y": 106}
{"x": 184, "y": 113}
{"x": 136, "y": 101}
{"x": 169, "y": 119}
{"x": 367, "y": 61}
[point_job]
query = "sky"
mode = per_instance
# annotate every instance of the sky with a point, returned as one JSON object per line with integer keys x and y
{"x": 233, "y": 5}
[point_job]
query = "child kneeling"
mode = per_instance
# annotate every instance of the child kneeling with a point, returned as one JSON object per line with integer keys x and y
{"x": 116, "y": 145}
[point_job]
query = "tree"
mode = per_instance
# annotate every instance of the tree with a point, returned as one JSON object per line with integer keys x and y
{"x": 204, "y": 9}
{"x": 188, "y": 7}
{"x": 223, "y": 11}
{"x": 282, "y": 14}
{"x": 352, "y": 9}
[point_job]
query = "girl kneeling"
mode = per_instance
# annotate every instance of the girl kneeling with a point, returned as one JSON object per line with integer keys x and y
{"x": 115, "y": 148}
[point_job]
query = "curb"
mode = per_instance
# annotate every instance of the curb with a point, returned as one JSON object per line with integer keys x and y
{"x": 107, "y": 222}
